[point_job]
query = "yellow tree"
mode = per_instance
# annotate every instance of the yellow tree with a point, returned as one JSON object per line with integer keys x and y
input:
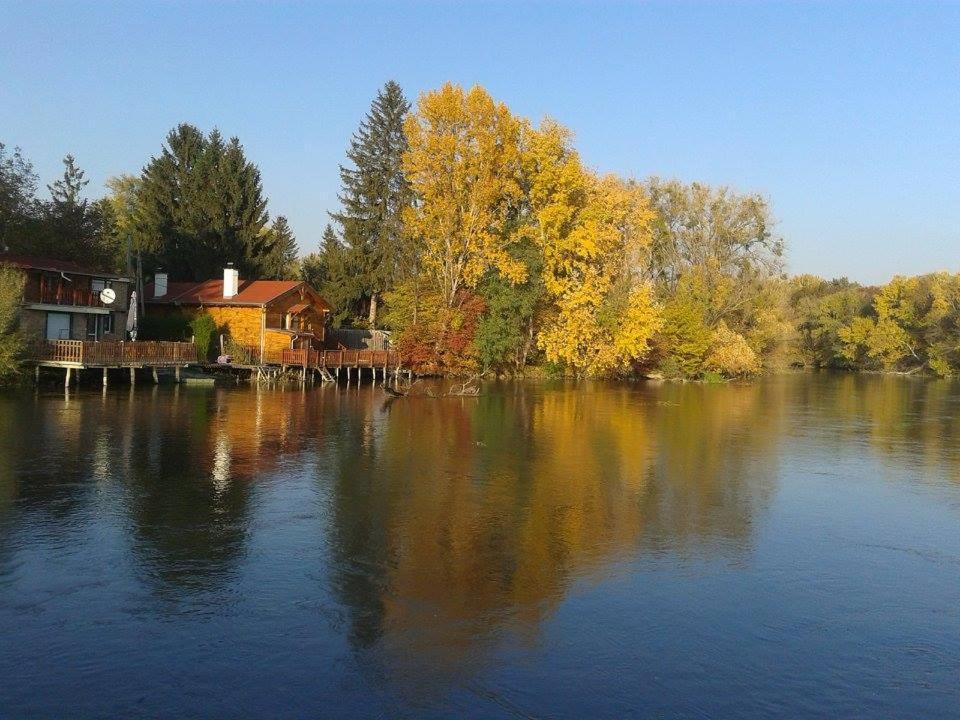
{"x": 463, "y": 164}
{"x": 594, "y": 232}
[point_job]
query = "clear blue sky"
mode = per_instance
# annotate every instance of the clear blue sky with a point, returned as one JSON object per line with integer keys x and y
{"x": 846, "y": 115}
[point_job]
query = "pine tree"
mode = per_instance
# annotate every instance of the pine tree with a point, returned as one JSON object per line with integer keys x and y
{"x": 72, "y": 227}
{"x": 203, "y": 202}
{"x": 281, "y": 263}
{"x": 68, "y": 212}
{"x": 374, "y": 194}
{"x": 331, "y": 273}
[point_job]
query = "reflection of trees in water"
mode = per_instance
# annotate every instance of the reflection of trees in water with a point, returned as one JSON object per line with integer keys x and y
{"x": 190, "y": 491}
{"x": 475, "y": 514}
{"x": 181, "y": 464}
{"x": 912, "y": 421}
{"x": 715, "y": 467}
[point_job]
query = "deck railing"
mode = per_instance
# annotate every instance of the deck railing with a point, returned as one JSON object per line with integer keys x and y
{"x": 111, "y": 353}
{"x": 340, "y": 358}
{"x": 61, "y": 295}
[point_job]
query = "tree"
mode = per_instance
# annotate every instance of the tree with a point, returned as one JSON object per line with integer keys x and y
{"x": 821, "y": 308}
{"x": 18, "y": 187}
{"x": 591, "y": 230}
{"x": 73, "y": 227}
{"x": 374, "y": 195}
{"x": 203, "y": 202}
{"x": 281, "y": 263}
{"x": 11, "y": 292}
{"x": 699, "y": 226}
{"x": 914, "y": 324}
{"x": 727, "y": 240}
{"x": 330, "y": 273}
{"x": 506, "y": 332}
{"x": 463, "y": 165}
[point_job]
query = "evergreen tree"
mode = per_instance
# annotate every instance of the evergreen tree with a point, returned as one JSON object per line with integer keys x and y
{"x": 203, "y": 202}
{"x": 72, "y": 224}
{"x": 374, "y": 194}
{"x": 330, "y": 272}
{"x": 282, "y": 263}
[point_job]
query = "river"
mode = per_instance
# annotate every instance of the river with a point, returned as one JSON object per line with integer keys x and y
{"x": 785, "y": 548}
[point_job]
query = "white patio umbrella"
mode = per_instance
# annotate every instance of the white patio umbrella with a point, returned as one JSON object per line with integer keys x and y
{"x": 132, "y": 316}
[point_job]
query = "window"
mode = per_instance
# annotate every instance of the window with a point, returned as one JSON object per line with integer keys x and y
{"x": 98, "y": 284}
{"x": 99, "y": 325}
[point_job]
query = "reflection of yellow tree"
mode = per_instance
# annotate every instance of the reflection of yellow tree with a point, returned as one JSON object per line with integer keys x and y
{"x": 483, "y": 510}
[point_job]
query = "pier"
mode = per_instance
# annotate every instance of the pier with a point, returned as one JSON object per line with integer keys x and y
{"x": 76, "y": 355}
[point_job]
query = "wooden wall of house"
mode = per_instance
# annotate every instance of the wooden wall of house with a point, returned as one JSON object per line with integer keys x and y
{"x": 243, "y": 324}
{"x": 310, "y": 320}
{"x": 276, "y": 340}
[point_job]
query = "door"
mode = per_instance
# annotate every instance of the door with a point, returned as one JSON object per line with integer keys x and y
{"x": 58, "y": 326}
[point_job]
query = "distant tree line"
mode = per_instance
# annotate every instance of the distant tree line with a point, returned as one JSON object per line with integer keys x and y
{"x": 485, "y": 244}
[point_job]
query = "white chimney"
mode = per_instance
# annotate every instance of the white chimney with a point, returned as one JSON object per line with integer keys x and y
{"x": 159, "y": 284}
{"x": 231, "y": 281}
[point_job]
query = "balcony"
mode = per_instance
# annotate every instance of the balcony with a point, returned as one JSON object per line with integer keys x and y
{"x": 67, "y": 296}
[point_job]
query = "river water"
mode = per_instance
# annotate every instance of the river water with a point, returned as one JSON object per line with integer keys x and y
{"x": 787, "y": 548}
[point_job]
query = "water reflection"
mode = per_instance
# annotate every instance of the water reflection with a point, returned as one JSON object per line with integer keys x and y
{"x": 443, "y": 528}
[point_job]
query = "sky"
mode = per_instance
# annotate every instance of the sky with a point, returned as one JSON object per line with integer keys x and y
{"x": 845, "y": 115}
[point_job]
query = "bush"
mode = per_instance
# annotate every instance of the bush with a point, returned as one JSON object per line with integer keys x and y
{"x": 730, "y": 355}
{"x": 204, "y": 328}
{"x": 241, "y": 354}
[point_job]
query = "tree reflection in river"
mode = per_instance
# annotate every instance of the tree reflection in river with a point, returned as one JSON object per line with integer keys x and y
{"x": 427, "y": 533}
{"x": 468, "y": 513}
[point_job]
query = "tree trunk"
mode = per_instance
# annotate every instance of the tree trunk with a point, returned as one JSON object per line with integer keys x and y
{"x": 373, "y": 310}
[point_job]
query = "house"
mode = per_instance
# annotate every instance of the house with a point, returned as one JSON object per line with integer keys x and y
{"x": 264, "y": 316}
{"x": 66, "y": 301}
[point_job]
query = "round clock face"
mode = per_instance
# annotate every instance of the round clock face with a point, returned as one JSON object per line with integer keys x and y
{"x": 108, "y": 295}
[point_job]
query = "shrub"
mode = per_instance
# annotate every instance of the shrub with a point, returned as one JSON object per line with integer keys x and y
{"x": 204, "y": 328}
{"x": 730, "y": 355}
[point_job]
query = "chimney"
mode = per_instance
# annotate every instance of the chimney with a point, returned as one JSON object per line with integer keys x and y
{"x": 159, "y": 284}
{"x": 231, "y": 280}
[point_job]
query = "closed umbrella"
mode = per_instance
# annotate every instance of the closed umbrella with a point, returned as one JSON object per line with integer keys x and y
{"x": 132, "y": 316}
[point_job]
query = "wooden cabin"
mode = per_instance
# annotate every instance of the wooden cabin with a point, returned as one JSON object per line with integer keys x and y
{"x": 65, "y": 301}
{"x": 264, "y": 316}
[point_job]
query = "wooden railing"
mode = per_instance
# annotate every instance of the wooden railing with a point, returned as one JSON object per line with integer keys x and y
{"x": 111, "y": 354}
{"x": 61, "y": 295}
{"x": 340, "y": 358}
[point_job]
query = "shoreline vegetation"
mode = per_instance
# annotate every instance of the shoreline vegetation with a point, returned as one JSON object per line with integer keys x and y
{"x": 486, "y": 246}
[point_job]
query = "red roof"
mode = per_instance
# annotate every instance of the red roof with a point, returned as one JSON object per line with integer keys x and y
{"x": 32, "y": 262}
{"x": 210, "y": 292}
{"x": 298, "y": 308}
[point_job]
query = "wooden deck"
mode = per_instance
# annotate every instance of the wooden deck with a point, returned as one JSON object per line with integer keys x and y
{"x": 109, "y": 354}
{"x": 334, "y": 359}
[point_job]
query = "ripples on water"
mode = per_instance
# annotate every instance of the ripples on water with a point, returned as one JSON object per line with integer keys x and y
{"x": 789, "y": 548}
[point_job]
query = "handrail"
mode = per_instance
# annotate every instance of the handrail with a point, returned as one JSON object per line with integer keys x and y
{"x": 111, "y": 353}
{"x": 340, "y": 358}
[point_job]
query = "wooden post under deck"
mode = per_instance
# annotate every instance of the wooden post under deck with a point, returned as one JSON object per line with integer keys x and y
{"x": 156, "y": 380}
{"x": 104, "y": 377}
{"x": 66, "y": 378}
{"x": 133, "y": 376}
